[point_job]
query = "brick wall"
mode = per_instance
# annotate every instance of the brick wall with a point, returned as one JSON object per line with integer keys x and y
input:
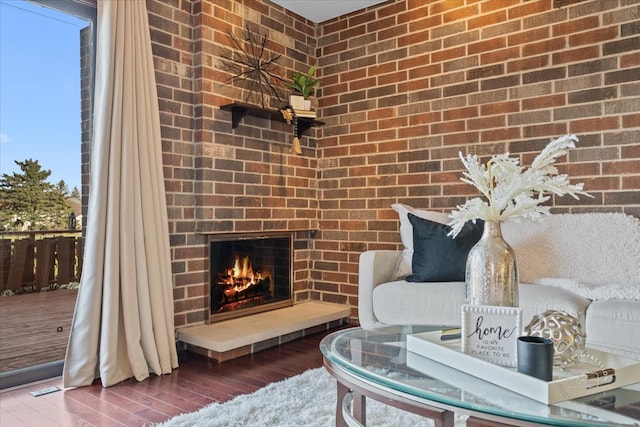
{"x": 409, "y": 84}
{"x": 406, "y": 86}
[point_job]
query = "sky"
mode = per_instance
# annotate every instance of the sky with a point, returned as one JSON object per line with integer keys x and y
{"x": 40, "y": 90}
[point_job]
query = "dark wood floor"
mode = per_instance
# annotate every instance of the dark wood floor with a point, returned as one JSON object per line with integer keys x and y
{"x": 196, "y": 383}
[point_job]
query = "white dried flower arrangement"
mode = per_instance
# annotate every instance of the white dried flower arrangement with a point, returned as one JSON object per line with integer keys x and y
{"x": 513, "y": 192}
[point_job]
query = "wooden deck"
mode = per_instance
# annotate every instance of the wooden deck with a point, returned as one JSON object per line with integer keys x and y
{"x": 34, "y": 328}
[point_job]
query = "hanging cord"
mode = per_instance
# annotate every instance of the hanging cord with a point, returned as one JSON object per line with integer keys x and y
{"x": 289, "y": 115}
{"x": 295, "y": 147}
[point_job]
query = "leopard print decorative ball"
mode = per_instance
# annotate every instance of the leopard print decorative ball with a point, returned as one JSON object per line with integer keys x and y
{"x": 564, "y": 330}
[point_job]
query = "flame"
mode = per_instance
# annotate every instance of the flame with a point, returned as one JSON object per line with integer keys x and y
{"x": 241, "y": 275}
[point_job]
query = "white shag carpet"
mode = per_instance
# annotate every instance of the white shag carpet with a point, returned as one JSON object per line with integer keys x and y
{"x": 308, "y": 399}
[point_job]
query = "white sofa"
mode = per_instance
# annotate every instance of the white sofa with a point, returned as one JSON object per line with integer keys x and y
{"x": 585, "y": 264}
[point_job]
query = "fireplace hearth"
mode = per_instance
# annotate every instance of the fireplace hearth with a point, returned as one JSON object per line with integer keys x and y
{"x": 249, "y": 273}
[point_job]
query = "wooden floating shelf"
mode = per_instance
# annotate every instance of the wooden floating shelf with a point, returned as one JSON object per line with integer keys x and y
{"x": 239, "y": 110}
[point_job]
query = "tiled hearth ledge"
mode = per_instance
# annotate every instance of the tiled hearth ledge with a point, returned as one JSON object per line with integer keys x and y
{"x": 234, "y": 338}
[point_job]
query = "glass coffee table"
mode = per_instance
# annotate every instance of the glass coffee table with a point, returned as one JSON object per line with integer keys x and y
{"x": 374, "y": 363}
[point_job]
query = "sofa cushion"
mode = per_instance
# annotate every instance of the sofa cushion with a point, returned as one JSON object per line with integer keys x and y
{"x": 403, "y": 269}
{"x": 614, "y": 326}
{"x": 438, "y": 257}
{"x": 536, "y": 299}
{"x": 434, "y": 303}
{"x": 438, "y": 303}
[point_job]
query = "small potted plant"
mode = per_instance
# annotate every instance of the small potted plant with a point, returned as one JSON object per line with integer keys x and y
{"x": 304, "y": 85}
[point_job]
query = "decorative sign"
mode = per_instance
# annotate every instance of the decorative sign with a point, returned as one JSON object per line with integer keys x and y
{"x": 490, "y": 333}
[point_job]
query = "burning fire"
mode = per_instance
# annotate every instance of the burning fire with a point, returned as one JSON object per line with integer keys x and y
{"x": 240, "y": 286}
{"x": 241, "y": 275}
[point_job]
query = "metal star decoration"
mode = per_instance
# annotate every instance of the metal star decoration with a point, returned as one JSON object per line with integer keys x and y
{"x": 253, "y": 66}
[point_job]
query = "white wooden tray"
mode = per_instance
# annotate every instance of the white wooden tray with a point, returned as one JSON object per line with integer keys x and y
{"x": 580, "y": 379}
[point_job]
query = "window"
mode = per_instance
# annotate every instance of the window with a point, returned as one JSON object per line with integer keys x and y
{"x": 46, "y": 80}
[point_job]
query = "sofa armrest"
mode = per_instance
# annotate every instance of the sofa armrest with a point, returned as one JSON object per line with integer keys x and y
{"x": 374, "y": 268}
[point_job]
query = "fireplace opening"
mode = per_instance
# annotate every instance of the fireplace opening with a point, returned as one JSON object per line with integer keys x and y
{"x": 249, "y": 274}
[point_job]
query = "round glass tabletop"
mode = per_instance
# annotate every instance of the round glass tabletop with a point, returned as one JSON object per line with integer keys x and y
{"x": 380, "y": 357}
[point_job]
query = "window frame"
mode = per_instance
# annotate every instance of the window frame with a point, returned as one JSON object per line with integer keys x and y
{"x": 86, "y": 10}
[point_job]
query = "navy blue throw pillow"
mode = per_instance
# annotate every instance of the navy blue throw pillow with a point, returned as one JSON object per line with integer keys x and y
{"x": 438, "y": 257}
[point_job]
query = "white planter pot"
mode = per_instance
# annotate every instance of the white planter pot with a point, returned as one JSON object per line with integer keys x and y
{"x": 299, "y": 103}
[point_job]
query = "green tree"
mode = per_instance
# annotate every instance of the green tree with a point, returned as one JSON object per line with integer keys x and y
{"x": 75, "y": 193}
{"x": 29, "y": 201}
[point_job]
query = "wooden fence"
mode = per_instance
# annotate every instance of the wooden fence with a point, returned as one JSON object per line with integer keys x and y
{"x": 39, "y": 259}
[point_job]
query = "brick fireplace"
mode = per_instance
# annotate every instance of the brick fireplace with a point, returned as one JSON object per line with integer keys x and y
{"x": 252, "y": 298}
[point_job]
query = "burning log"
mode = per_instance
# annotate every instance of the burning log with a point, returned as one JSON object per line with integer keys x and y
{"x": 240, "y": 283}
{"x": 239, "y": 290}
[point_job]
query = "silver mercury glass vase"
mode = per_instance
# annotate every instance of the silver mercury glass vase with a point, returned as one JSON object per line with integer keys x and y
{"x": 492, "y": 272}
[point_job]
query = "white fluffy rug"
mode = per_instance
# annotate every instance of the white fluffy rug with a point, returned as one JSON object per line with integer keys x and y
{"x": 308, "y": 399}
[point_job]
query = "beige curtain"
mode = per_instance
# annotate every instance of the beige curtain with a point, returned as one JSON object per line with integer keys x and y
{"x": 123, "y": 322}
